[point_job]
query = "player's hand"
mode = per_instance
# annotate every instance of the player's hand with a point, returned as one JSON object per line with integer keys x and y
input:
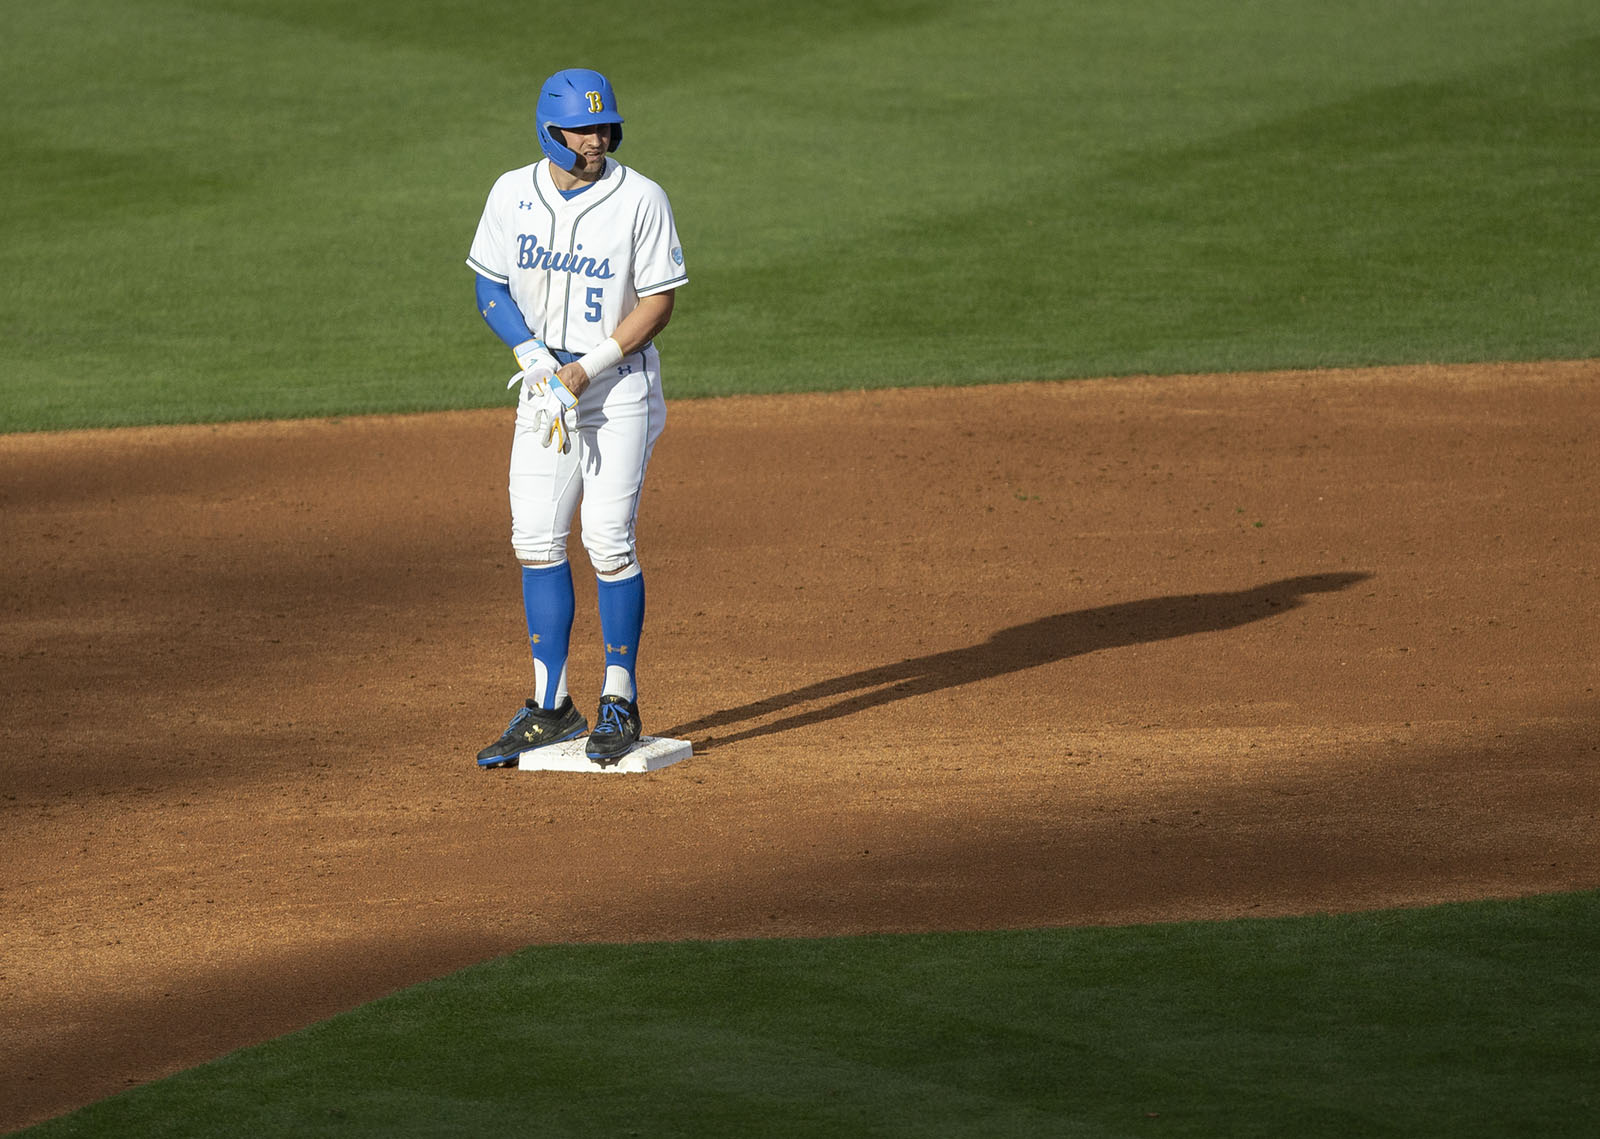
{"x": 529, "y": 379}
{"x": 555, "y": 414}
{"x": 533, "y": 356}
{"x": 536, "y": 363}
{"x": 573, "y": 377}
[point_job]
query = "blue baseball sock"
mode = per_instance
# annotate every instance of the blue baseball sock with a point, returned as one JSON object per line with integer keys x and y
{"x": 621, "y": 624}
{"x": 548, "y": 602}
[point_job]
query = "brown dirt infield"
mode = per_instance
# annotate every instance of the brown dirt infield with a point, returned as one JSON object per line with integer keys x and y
{"x": 1046, "y": 654}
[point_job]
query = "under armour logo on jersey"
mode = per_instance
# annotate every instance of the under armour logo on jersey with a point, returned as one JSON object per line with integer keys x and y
{"x": 525, "y": 205}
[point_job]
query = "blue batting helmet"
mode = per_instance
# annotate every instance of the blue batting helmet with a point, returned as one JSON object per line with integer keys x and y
{"x": 576, "y": 97}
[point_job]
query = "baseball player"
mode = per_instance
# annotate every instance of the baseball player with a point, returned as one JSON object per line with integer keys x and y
{"x": 577, "y": 261}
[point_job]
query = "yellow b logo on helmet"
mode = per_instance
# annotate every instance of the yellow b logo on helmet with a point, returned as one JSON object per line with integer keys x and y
{"x": 596, "y": 104}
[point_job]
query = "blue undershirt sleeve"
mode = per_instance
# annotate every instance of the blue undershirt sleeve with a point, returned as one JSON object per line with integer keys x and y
{"x": 500, "y": 312}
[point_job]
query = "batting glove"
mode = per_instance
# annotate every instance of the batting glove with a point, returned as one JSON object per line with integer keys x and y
{"x": 535, "y": 361}
{"x": 533, "y": 356}
{"x": 555, "y": 415}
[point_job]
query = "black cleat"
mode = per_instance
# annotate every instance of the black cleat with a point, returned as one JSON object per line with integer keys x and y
{"x": 534, "y": 727}
{"x": 616, "y": 730}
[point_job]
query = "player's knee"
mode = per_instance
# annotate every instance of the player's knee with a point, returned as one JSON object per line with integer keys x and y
{"x": 538, "y": 555}
{"x": 611, "y": 561}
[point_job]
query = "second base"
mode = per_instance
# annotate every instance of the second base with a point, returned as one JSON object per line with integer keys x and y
{"x": 651, "y": 753}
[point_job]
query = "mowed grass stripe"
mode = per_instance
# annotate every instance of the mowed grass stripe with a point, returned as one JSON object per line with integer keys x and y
{"x": 261, "y": 207}
{"x": 1462, "y": 1020}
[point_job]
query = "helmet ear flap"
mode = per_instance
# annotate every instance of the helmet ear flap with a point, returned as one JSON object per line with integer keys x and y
{"x": 555, "y": 149}
{"x": 553, "y": 143}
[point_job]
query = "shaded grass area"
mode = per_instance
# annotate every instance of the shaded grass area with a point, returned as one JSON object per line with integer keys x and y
{"x": 1473, "y": 1019}
{"x": 238, "y": 208}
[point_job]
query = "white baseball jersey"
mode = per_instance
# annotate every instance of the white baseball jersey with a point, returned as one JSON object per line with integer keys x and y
{"x": 577, "y": 267}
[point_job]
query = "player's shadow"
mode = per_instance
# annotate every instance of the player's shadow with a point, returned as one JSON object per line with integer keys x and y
{"x": 1013, "y": 650}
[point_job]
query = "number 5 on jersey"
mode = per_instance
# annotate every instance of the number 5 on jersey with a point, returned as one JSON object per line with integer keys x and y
{"x": 595, "y": 298}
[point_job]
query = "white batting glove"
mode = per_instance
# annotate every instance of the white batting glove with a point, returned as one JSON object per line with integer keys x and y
{"x": 533, "y": 356}
{"x": 555, "y": 415}
{"x": 535, "y": 361}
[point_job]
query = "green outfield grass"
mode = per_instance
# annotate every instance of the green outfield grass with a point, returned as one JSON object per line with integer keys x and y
{"x": 1471, "y": 1020}
{"x": 243, "y": 208}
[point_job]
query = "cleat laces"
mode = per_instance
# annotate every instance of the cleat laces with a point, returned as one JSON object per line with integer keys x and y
{"x": 613, "y": 718}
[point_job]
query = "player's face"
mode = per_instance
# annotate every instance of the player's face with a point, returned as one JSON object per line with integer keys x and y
{"x": 590, "y": 145}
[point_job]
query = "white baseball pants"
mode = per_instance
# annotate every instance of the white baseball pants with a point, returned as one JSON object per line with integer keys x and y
{"x": 620, "y": 416}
